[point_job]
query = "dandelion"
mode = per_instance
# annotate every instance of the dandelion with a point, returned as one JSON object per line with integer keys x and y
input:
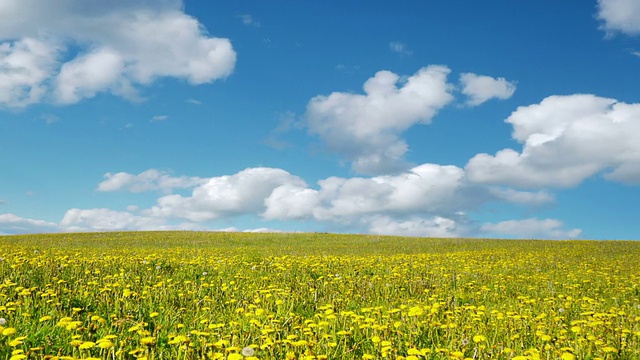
{"x": 248, "y": 351}
{"x": 87, "y": 345}
{"x": 3, "y": 321}
{"x": 148, "y": 341}
{"x": 479, "y": 338}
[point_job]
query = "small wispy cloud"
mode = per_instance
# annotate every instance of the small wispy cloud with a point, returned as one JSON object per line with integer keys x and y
{"x": 249, "y": 20}
{"x": 159, "y": 118}
{"x": 194, "y": 101}
{"x": 287, "y": 122}
{"x": 49, "y": 118}
{"x": 636, "y": 53}
{"x": 400, "y": 48}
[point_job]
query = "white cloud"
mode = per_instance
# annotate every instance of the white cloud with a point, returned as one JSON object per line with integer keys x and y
{"x": 159, "y": 118}
{"x": 13, "y": 224}
{"x": 123, "y": 45}
{"x": 85, "y": 76}
{"x": 480, "y": 88}
{"x": 106, "y": 220}
{"x": 432, "y": 227}
{"x": 149, "y": 180}
{"x": 111, "y": 220}
{"x": 427, "y": 200}
{"x": 425, "y": 189}
{"x": 531, "y": 228}
{"x": 400, "y": 48}
{"x": 242, "y": 193}
{"x": 49, "y": 118}
{"x": 566, "y": 139}
{"x": 620, "y": 16}
{"x": 25, "y": 67}
{"x": 528, "y": 198}
{"x": 366, "y": 129}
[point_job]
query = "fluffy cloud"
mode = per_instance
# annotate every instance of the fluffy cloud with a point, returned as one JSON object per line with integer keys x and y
{"x": 620, "y": 16}
{"x": 123, "y": 44}
{"x": 566, "y": 139}
{"x": 111, "y": 220}
{"x": 528, "y": 198}
{"x": 150, "y": 180}
{"x": 13, "y": 224}
{"x": 479, "y": 88}
{"x": 365, "y": 128}
{"x": 415, "y": 226}
{"x": 25, "y": 66}
{"x": 427, "y": 188}
{"x": 531, "y": 228}
{"x": 229, "y": 195}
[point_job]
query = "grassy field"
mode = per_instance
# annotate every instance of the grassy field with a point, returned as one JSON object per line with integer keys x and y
{"x": 191, "y": 295}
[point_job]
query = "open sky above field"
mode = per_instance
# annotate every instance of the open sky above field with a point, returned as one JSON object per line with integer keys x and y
{"x": 430, "y": 118}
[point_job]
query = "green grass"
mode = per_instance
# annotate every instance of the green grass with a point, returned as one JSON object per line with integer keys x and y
{"x": 192, "y": 295}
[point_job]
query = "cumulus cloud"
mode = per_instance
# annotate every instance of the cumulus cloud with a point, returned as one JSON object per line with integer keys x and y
{"x": 428, "y": 189}
{"x": 480, "y": 88}
{"x": 529, "y": 198}
{"x": 149, "y": 180}
{"x": 229, "y": 195}
{"x": 123, "y": 45}
{"x": 620, "y": 16}
{"x": 415, "y": 226}
{"x": 13, "y": 224}
{"x": 531, "y": 228}
{"x": 111, "y": 220}
{"x": 366, "y": 128}
{"x": 26, "y": 66}
{"x": 566, "y": 139}
{"x": 427, "y": 200}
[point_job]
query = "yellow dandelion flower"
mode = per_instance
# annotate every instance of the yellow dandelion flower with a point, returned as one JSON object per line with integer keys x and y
{"x": 148, "y": 341}
{"x": 479, "y": 338}
{"x": 87, "y": 345}
{"x": 8, "y": 331}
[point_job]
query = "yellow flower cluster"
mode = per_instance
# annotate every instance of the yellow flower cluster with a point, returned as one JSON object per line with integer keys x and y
{"x": 190, "y": 295}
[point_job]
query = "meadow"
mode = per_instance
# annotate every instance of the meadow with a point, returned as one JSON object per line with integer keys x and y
{"x": 198, "y": 295}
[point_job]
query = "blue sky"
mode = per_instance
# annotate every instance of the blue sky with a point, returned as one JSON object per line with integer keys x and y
{"x": 423, "y": 118}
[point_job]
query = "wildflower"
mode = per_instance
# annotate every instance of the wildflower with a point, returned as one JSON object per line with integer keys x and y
{"x": 87, "y": 345}
{"x": 248, "y": 351}
{"x": 8, "y": 331}
{"x": 479, "y": 338}
{"x": 3, "y": 321}
{"x": 148, "y": 341}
